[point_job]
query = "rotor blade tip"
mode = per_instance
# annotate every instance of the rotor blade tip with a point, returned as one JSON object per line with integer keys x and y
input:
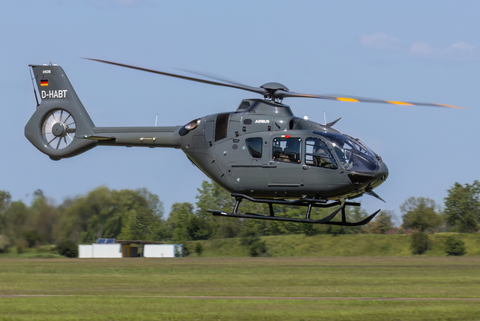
{"x": 398, "y": 103}
{"x": 451, "y": 106}
{"x": 353, "y": 100}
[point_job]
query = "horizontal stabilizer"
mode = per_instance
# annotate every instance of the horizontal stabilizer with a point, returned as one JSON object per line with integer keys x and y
{"x": 96, "y": 137}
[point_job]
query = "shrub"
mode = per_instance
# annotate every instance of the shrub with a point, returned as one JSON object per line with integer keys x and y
{"x": 31, "y": 237}
{"x": 21, "y": 246}
{"x": 185, "y": 250}
{"x": 258, "y": 248}
{"x": 309, "y": 229}
{"x": 250, "y": 238}
{"x": 4, "y": 243}
{"x": 67, "y": 248}
{"x": 199, "y": 248}
{"x": 420, "y": 243}
{"x": 454, "y": 246}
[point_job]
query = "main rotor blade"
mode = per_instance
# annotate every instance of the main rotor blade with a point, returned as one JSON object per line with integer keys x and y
{"x": 223, "y": 80}
{"x": 257, "y": 90}
{"x": 279, "y": 93}
{"x": 284, "y": 94}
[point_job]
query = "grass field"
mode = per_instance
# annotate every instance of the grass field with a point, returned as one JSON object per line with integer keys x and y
{"x": 336, "y": 288}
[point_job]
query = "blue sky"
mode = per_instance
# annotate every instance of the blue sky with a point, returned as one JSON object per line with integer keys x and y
{"x": 404, "y": 50}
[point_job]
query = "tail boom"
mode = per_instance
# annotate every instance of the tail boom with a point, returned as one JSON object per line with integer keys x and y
{"x": 61, "y": 127}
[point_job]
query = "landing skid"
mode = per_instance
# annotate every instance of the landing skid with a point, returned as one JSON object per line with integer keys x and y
{"x": 309, "y": 202}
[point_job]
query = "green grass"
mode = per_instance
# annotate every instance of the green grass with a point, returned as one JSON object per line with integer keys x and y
{"x": 341, "y": 245}
{"x": 118, "y": 308}
{"x": 142, "y": 289}
{"x": 333, "y": 267}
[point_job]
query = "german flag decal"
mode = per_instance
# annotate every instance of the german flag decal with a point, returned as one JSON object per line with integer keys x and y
{"x": 44, "y": 82}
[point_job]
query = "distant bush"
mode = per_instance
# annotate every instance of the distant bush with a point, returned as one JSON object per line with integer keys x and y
{"x": 420, "y": 243}
{"x": 185, "y": 250}
{"x": 32, "y": 237}
{"x": 250, "y": 238}
{"x": 310, "y": 229}
{"x": 4, "y": 243}
{"x": 21, "y": 246}
{"x": 199, "y": 248}
{"x": 48, "y": 248}
{"x": 67, "y": 248}
{"x": 455, "y": 246}
{"x": 258, "y": 248}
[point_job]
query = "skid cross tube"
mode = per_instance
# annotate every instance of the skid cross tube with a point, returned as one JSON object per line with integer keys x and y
{"x": 310, "y": 202}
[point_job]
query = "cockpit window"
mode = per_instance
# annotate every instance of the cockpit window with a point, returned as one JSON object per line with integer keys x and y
{"x": 254, "y": 146}
{"x": 317, "y": 154}
{"x": 287, "y": 149}
{"x": 352, "y": 154}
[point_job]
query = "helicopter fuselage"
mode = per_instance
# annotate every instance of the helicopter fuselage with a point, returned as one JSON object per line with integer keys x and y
{"x": 263, "y": 150}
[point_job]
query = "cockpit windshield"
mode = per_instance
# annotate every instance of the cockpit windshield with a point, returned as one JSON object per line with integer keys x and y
{"x": 353, "y": 155}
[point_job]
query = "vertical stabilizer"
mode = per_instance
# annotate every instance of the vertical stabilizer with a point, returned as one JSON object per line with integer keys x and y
{"x": 60, "y": 122}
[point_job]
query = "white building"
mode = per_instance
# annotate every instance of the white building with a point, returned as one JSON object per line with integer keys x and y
{"x": 163, "y": 250}
{"x": 111, "y": 248}
{"x": 103, "y": 251}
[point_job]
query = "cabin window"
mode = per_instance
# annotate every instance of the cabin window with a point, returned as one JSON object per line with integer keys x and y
{"x": 287, "y": 149}
{"x": 317, "y": 154}
{"x": 254, "y": 146}
{"x": 221, "y": 126}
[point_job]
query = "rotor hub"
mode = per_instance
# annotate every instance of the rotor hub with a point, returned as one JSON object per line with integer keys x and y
{"x": 59, "y": 129}
{"x": 271, "y": 88}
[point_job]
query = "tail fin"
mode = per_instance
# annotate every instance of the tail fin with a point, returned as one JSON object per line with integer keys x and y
{"x": 60, "y": 122}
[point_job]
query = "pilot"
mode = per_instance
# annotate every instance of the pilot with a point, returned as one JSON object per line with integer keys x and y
{"x": 319, "y": 155}
{"x": 292, "y": 151}
{"x": 322, "y": 156}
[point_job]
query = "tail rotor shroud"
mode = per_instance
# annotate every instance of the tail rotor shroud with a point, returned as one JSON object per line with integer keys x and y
{"x": 58, "y": 129}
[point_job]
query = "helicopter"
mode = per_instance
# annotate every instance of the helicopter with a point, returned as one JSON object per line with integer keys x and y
{"x": 261, "y": 152}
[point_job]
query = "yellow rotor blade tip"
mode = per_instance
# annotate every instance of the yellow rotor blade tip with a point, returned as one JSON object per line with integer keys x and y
{"x": 398, "y": 103}
{"x": 348, "y": 99}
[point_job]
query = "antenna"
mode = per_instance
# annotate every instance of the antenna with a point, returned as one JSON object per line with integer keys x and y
{"x": 325, "y": 118}
{"x": 156, "y": 118}
{"x": 33, "y": 84}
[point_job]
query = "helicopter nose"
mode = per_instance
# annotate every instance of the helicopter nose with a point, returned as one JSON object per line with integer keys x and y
{"x": 381, "y": 175}
{"x": 370, "y": 180}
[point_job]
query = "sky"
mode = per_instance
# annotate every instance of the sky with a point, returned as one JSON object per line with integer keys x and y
{"x": 424, "y": 51}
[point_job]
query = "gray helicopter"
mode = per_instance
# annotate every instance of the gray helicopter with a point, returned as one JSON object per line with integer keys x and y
{"x": 261, "y": 152}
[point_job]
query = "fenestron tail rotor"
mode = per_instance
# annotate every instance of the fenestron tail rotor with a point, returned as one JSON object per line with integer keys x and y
{"x": 58, "y": 129}
{"x": 272, "y": 91}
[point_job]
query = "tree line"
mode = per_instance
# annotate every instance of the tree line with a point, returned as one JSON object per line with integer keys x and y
{"x": 139, "y": 215}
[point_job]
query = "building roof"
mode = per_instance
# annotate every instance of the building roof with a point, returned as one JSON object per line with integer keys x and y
{"x": 136, "y": 242}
